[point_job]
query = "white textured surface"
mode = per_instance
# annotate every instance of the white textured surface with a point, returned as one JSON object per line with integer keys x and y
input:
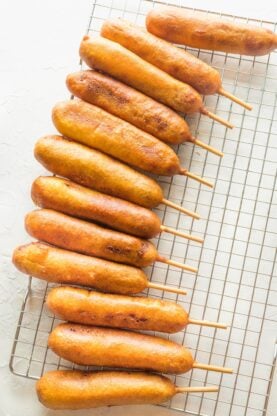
{"x": 40, "y": 48}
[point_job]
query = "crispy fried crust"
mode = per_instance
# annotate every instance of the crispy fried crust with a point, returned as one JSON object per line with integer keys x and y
{"x": 76, "y": 200}
{"x": 87, "y": 238}
{"x": 183, "y": 27}
{"x": 130, "y": 105}
{"x": 94, "y": 127}
{"x": 175, "y": 61}
{"x": 62, "y": 266}
{"x": 129, "y": 312}
{"x": 100, "y": 53}
{"x": 88, "y": 345}
{"x": 95, "y": 170}
{"x": 72, "y": 389}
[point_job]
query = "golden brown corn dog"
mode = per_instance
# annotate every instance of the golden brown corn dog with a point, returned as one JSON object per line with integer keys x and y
{"x": 175, "y": 61}
{"x": 204, "y": 32}
{"x": 129, "y": 312}
{"x": 93, "y": 308}
{"x": 130, "y": 105}
{"x": 72, "y": 199}
{"x": 95, "y": 170}
{"x": 87, "y": 238}
{"x": 76, "y": 200}
{"x": 88, "y": 345}
{"x": 72, "y": 389}
{"x": 133, "y": 106}
{"x": 94, "y": 127}
{"x": 100, "y": 53}
{"x": 61, "y": 266}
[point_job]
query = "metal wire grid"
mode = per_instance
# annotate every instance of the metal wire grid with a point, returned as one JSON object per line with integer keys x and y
{"x": 236, "y": 282}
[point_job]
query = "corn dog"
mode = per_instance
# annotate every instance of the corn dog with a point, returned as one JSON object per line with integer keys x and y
{"x": 88, "y": 345}
{"x": 61, "y": 266}
{"x": 70, "y": 198}
{"x": 87, "y": 238}
{"x": 129, "y": 312}
{"x": 72, "y": 389}
{"x": 94, "y": 127}
{"x": 181, "y": 26}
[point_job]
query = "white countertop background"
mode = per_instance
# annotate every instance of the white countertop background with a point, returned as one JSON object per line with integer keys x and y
{"x": 39, "y": 43}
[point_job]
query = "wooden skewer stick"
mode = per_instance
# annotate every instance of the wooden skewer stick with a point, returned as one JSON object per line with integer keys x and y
{"x": 210, "y": 367}
{"x": 216, "y": 118}
{"x": 185, "y": 172}
{"x": 208, "y": 389}
{"x": 207, "y": 323}
{"x": 181, "y": 209}
{"x": 207, "y": 147}
{"x": 180, "y": 234}
{"x": 176, "y": 264}
{"x": 237, "y": 100}
{"x": 152, "y": 285}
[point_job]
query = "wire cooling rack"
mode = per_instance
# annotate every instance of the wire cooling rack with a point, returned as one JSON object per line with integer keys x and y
{"x": 236, "y": 283}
